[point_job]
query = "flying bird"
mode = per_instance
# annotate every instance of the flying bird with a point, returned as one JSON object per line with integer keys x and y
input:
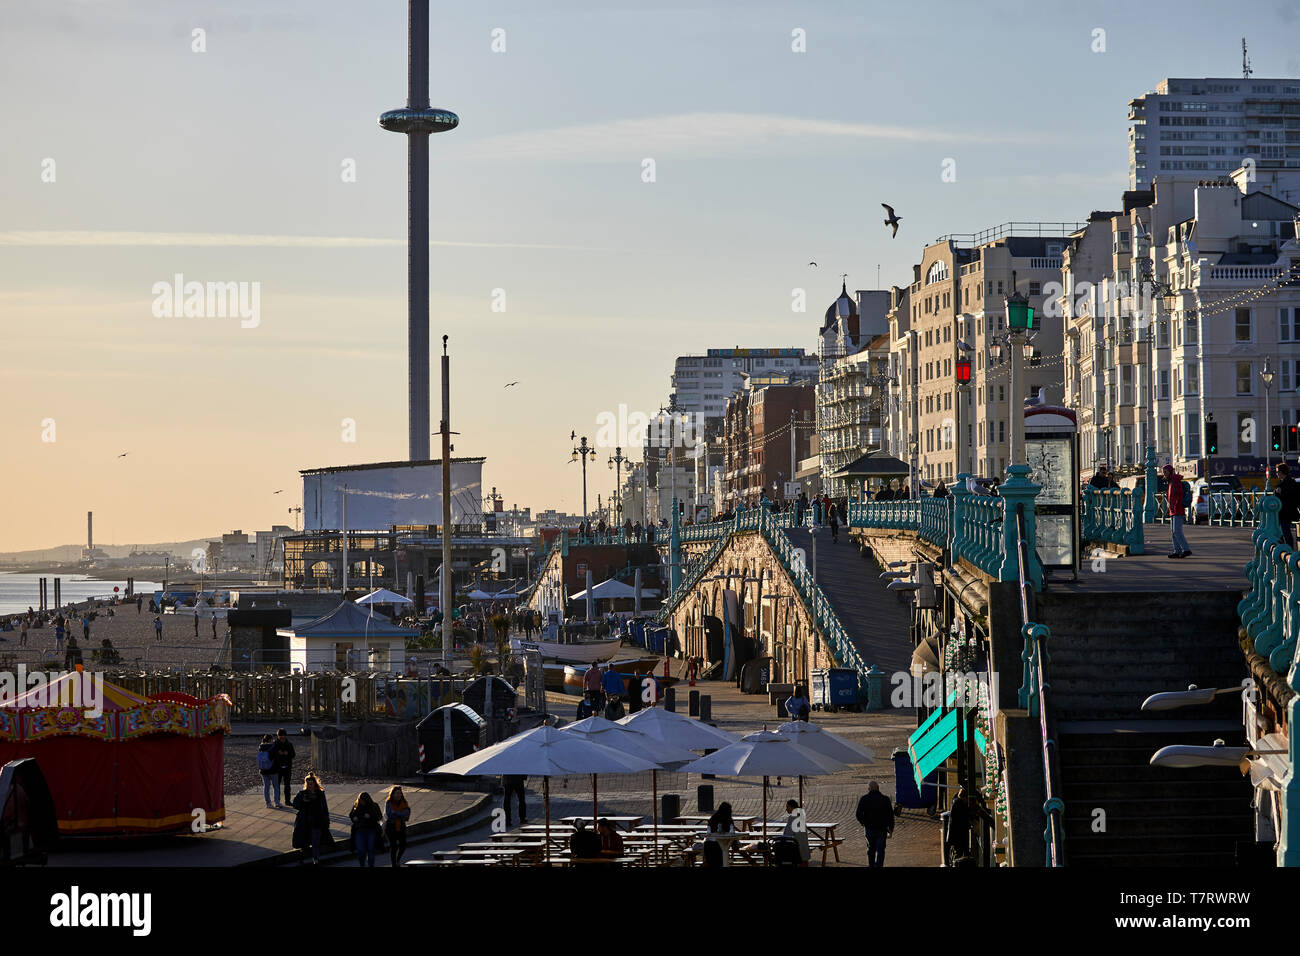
{"x": 812, "y": 263}
{"x": 508, "y": 384}
{"x": 893, "y": 220}
{"x": 124, "y": 454}
{"x": 277, "y": 492}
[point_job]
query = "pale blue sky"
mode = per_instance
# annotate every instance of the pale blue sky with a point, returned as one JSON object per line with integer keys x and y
{"x": 765, "y": 159}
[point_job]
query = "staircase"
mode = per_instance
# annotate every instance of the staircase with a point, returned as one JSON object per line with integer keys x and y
{"x": 874, "y": 617}
{"x": 1107, "y": 655}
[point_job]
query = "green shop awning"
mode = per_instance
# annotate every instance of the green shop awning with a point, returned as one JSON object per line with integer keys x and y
{"x": 936, "y": 740}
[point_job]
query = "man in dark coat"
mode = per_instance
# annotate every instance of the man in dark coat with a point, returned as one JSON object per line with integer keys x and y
{"x": 876, "y": 814}
{"x": 514, "y": 786}
{"x": 958, "y": 842}
{"x": 282, "y": 753}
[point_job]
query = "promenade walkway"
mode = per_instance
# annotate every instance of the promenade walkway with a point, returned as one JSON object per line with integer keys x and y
{"x": 1218, "y": 562}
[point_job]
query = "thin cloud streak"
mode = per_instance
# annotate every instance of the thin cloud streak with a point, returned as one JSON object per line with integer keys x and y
{"x": 701, "y": 135}
{"x": 216, "y": 239}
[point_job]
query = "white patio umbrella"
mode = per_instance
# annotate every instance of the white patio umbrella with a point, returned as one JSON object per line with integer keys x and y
{"x": 383, "y": 596}
{"x": 818, "y": 739}
{"x": 626, "y": 740}
{"x": 546, "y": 752}
{"x": 678, "y": 730}
{"x": 765, "y": 754}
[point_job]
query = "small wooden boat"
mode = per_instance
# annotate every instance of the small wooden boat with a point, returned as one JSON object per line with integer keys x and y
{"x": 553, "y": 675}
{"x": 585, "y": 651}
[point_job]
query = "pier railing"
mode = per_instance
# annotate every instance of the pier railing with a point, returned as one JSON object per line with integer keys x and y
{"x": 970, "y": 526}
{"x": 1113, "y": 516}
{"x": 1223, "y": 509}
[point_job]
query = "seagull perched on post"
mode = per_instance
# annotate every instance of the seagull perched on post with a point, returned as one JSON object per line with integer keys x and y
{"x": 893, "y": 219}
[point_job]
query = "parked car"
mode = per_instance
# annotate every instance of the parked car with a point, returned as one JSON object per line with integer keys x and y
{"x": 1218, "y": 496}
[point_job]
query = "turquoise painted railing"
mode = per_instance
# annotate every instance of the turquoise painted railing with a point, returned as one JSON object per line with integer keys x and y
{"x": 971, "y": 526}
{"x": 771, "y": 526}
{"x": 1270, "y": 615}
{"x": 1113, "y": 516}
{"x": 1223, "y": 509}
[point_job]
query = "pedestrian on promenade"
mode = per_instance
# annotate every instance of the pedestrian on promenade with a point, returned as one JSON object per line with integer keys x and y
{"x": 58, "y": 635}
{"x": 397, "y": 813}
{"x": 614, "y": 708}
{"x": 958, "y": 841}
{"x": 1177, "y": 510}
{"x": 266, "y": 766}
{"x": 1288, "y": 491}
{"x": 139, "y": 603}
{"x": 796, "y": 830}
{"x": 367, "y": 822}
{"x": 284, "y": 754}
{"x": 591, "y": 683}
{"x": 796, "y": 705}
{"x": 586, "y": 708}
{"x": 876, "y": 814}
{"x": 311, "y": 828}
{"x": 513, "y": 785}
{"x": 85, "y": 627}
{"x": 157, "y": 629}
{"x": 196, "y": 620}
{"x": 941, "y": 490}
{"x": 22, "y": 637}
{"x": 214, "y": 625}
{"x": 833, "y": 518}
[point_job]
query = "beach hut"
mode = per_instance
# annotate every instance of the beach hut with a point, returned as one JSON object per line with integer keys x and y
{"x": 118, "y": 763}
{"x": 348, "y": 638}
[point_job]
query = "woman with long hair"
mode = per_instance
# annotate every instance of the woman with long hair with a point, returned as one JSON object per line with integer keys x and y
{"x": 397, "y": 812}
{"x": 367, "y": 820}
{"x": 312, "y": 826}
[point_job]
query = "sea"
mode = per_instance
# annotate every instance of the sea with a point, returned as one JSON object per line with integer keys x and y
{"x": 18, "y": 592}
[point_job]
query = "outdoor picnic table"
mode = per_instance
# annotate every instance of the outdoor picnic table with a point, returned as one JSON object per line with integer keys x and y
{"x": 626, "y": 823}
{"x": 503, "y": 854}
{"x": 741, "y": 822}
{"x": 821, "y": 835}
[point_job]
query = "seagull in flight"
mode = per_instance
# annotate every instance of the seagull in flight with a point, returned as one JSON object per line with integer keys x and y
{"x": 812, "y": 264}
{"x": 508, "y": 384}
{"x": 893, "y": 219}
{"x": 124, "y": 454}
{"x": 277, "y": 492}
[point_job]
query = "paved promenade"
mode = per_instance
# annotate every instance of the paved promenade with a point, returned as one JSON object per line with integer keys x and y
{"x": 1218, "y": 562}
{"x": 255, "y": 835}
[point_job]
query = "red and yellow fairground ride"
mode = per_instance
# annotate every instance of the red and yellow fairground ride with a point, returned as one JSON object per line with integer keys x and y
{"x": 141, "y": 765}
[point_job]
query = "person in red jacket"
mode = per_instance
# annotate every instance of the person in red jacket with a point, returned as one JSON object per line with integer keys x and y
{"x": 1177, "y": 511}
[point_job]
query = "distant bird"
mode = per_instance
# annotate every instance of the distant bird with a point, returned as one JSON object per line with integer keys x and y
{"x": 277, "y": 492}
{"x": 893, "y": 220}
{"x": 812, "y": 263}
{"x": 124, "y": 454}
{"x": 508, "y": 384}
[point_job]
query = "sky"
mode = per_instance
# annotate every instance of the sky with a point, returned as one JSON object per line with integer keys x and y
{"x": 131, "y": 156}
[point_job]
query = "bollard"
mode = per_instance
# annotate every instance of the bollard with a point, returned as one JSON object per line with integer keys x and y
{"x": 706, "y": 708}
{"x": 670, "y": 700}
{"x": 704, "y": 798}
{"x": 875, "y": 688}
{"x": 693, "y": 704}
{"x": 709, "y": 776}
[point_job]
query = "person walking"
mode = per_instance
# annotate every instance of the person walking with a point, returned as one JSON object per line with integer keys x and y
{"x": 59, "y": 635}
{"x": 266, "y": 766}
{"x": 284, "y": 753}
{"x": 796, "y": 705}
{"x": 957, "y": 843}
{"x": 139, "y": 603}
{"x": 397, "y": 813}
{"x": 311, "y": 828}
{"x": 196, "y": 620}
{"x": 876, "y": 814}
{"x": 512, "y": 784}
{"x": 591, "y": 683}
{"x": 22, "y": 636}
{"x": 214, "y": 625}
{"x": 833, "y": 519}
{"x": 1288, "y": 492}
{"x": 1177, "y": 511}
{"x": 85, "y": 627}
{"x": 157, "y": 629}
{"x": 367, "y": 822}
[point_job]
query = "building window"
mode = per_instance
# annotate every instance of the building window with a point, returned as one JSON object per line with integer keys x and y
{"x": 1002, "y": 430}
{"x": 1035, "y": 288}
{"x": 1002, "y": 393}
{"x": 1245, "y": 378}
{"x": 1193, "y": 434}
{"x": 1288, "y": 325}
{"x": 1189, "y": 331}
{"x": 1243, "y": 326}
{"x": 1191, "y": 384}
{"x": 1163, "y": 391}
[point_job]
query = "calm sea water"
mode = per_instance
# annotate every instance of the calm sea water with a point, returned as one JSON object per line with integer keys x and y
{"x": 20, "y": 591}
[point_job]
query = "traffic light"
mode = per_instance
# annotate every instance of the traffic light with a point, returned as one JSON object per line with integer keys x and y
{"x": 1277, "y": 437}
{"x": 1211, "y": 438}
{"x": 1292, "y": 438}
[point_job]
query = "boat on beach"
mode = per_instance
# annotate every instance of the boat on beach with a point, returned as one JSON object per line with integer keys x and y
{"x": 587, "y": 650}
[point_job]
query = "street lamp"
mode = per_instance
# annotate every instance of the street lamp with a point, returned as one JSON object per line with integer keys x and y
{"x": 616, "y": 462}
{"x": 1266, "y": 376}
{"x": 1020, "y": 322}
{"x": 580, "y": 453}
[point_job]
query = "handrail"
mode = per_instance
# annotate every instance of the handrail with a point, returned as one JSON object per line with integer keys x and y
{"x": 1035, "y": 657}
{"x": 1114, "y": 516}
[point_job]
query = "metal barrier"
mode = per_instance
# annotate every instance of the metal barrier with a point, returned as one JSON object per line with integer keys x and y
{"x": 1113, "y": 516}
